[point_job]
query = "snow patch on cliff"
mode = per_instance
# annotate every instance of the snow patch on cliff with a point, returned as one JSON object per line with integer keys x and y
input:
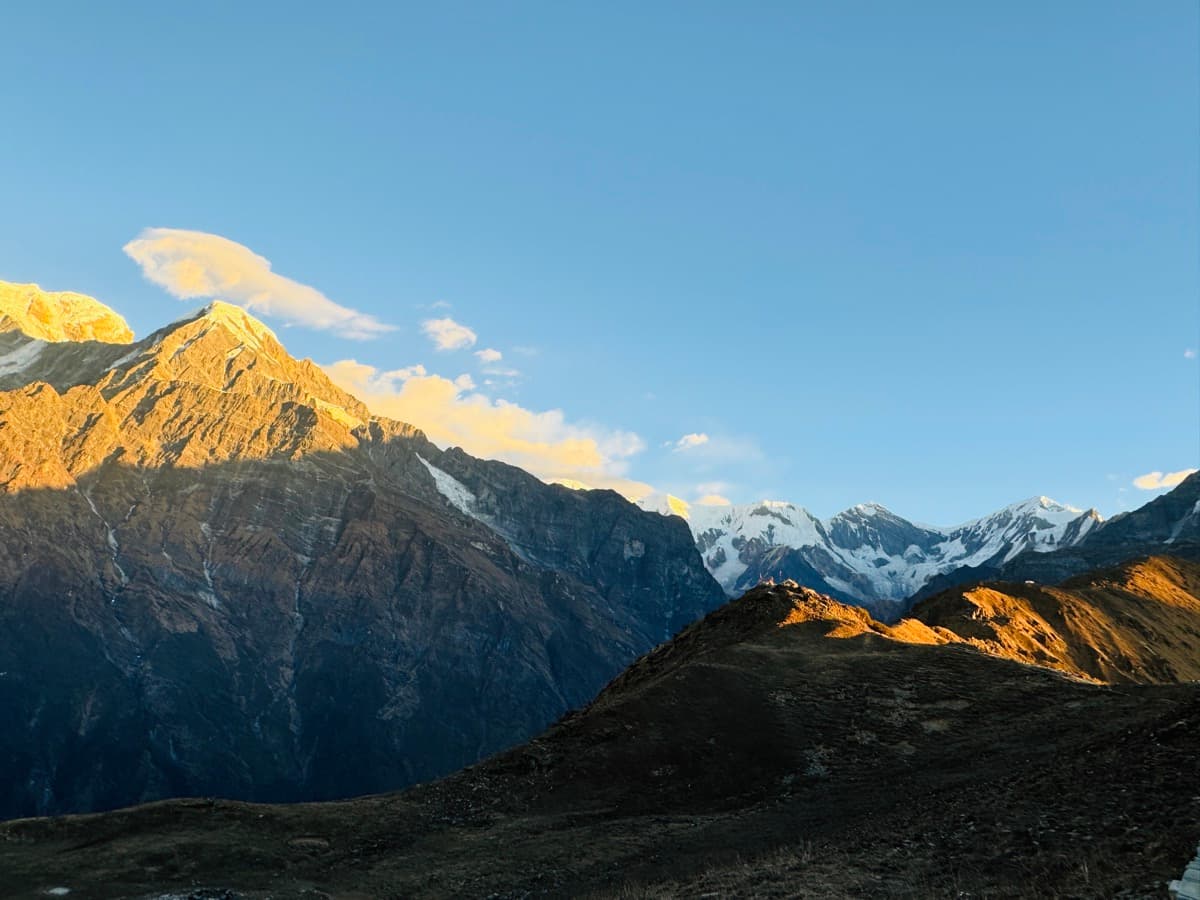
{"x": 452, "y": 489}
{"x": 21, "y": 358}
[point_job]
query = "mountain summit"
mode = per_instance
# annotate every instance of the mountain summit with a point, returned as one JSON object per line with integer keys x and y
{"x": 214, "y": 387}
{"x": 59, "y": 316}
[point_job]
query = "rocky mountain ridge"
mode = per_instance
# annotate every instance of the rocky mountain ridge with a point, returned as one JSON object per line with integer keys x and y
{"x": 1169, "y": 524}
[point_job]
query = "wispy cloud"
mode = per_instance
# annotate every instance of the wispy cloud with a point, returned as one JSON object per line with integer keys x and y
{"x": 1189, "y": 353}
{"x": 451, "y": 414}
{"x": 447, "y": 334}
{"x": 714, "y": 453}
{"x": 193, "y": 264}
{"x": 712, "y": 500}
{"x": 1155, "y": 481}
{"x": 489, "y": 355}
{"x": 687, "y": 442}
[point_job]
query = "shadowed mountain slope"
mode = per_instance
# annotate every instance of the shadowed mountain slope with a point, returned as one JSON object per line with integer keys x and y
{"x": 221, "y": 575}
{"x": 784, "y": 746}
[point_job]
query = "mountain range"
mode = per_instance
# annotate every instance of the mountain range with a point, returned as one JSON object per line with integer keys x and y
{"x": 867, "y": 554}
{"x": 222, "y": 575}
{"x": 1169, "y": 523}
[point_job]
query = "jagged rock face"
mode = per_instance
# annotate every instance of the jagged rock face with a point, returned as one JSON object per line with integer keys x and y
{"x": 221, "y": 575}
{"x": 210, "y": 389}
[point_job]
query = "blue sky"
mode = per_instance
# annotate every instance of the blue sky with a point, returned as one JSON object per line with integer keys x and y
{"x": 942, "y": 256}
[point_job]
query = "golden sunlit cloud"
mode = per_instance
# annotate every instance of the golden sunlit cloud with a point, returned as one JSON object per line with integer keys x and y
{"x": 544, "y": 443}
{"x": 447, "y": 334}
{"x": 195, "y": 264}
{"x": 1154, "y": 481}
{"x": 689, "y": 442}
{"x": 711, "y": 493}
{"x": 489, "y": 355}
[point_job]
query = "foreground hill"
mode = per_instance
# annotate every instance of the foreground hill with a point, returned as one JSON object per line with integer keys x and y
{"x": 220, "y": 574}
{"x": 784, "y": 746}
{"x": 1136, "y": 622}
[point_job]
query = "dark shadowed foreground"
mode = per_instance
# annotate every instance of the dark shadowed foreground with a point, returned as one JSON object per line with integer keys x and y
{"x": 786, "y": 745}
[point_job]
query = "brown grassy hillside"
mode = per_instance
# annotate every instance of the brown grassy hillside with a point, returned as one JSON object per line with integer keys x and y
{"x": 1137, "y": 622}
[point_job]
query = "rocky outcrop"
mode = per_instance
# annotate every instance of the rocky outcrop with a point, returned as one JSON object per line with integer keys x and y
{"x": 1187, "y": 887}
{"x": 221, "y": 575}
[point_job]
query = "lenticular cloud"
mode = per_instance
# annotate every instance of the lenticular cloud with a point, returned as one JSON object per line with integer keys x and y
{"x": 191, "y": 264}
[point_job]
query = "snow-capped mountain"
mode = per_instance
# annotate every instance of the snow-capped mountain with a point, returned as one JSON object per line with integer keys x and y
{"x": 866, "y": 554}
{"x": 55, "y": 316}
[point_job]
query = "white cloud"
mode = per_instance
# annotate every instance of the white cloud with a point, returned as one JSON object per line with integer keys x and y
{"x": 544, "y": 443}
{"x": 711, "y": 493}
{"x": 191, "y": 264}
{"x": 489, "y": 355}
{"x": 1189, "y": 353}
{"x": 688, "y": 442}
{"x": 720, "y": 451}
{"x": 501, "y": 372}
{"x": 447, "y": 334}
{"x": 1154, "y": 481}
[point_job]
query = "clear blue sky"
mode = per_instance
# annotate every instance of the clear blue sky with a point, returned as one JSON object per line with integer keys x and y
{"x": 938, "y": 255}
